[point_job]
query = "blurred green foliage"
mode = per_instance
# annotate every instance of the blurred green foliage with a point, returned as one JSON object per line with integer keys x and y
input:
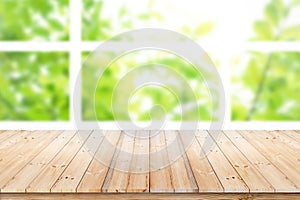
{"x": 268, "y": 98}
{"x": 92, "y": 15}
{"x": 273, "y": 96}
{"x": 275, "y": 24}
{"x": 103, "y": 19}
{"x": 149, "y": 95}
{"x": 34, "y": 86}
{"x": 104, "y": 27}
{"x": 40, "y": 20}
{"x": 268, "y": 84}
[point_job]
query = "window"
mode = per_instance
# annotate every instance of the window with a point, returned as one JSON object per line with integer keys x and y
{"x": 254, "y": 45}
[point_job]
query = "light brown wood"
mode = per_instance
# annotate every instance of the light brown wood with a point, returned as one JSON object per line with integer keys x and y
{"x": 229, "y": 178}
{"x": 285, "y": 146}
{"x": 93, "y": 179}
{"x": 286, "y": 137}
{"x": 45, "y": 180}
{"x": 253, "y": 178}
{"x": 4, "y": 135}
{"x": 15, "y": 143}
{"x": 18, "y": 183}
{"x": 160, "y": 170}
{"x": 118, "y": 175}
{"x": 295, "y": 134}
{"x": 205, "y": 176}
{"x": 273, "y": 174}
{"x": 261, "y": 162}
{"x": 71, "y": 177}
{"x": 281, "y": 141}
{"x": 290, "y": 133}
{"x": 182, "y": 176}
{"x": 138, "y": 180}
{"x": 135, "y": 196}
{"x": 32, "y": 146}
{"x": 275, "y": 153}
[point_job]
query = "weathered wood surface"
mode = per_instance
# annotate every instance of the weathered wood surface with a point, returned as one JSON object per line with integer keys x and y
{"x": 238, "y": 163}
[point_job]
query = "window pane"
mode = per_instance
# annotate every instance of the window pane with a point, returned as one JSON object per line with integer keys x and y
{"x": 210, "y": 20}
{"x": 111, "y": 17}
{"x": 40, "y": 20}
{"x": 142, "y": 100}
{"x": 266, "y": 86}
{"x": 34, "y": 86}
{"x": 266, "y": 20}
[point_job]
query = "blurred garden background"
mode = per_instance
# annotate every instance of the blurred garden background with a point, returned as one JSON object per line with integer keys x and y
{"x": 264, "y": 85}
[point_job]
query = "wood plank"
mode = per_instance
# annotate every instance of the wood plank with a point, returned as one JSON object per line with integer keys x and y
{"x": 139, "y": 169}
{"x": 24, "y": 177}
{"x": 273, "y": 153}
{"x": 34, "y": 144}
{"x": 269, "y": 154}
{"x": 205, "y": 176}
{"x": 229, "y": 178}
{"x": 182, "y": 175}
{"x": 283, "y": 144}
{"x": 93, "y": 179}
{"x": 118, "y": 175}
{"x": 160, "y": 170}
{"x": 296, "y": 134}
{"x": 16, "y": 145}
{"x": 4, "y": 135}
{"x": 70, "y": 178}
{"x": 287, "y": 138}
{"x": 283, "y": 141}
{"x": 293, "y": 134}
{"x": 147, "y": 196}
{"x": 45, "y": 180}
{"x": 251, "y": 176}
{"x": 277, "y": 179}
{"x": 283, "y": 148}
{"x": 12, "y": 143}
{"x": 11, "y": 148}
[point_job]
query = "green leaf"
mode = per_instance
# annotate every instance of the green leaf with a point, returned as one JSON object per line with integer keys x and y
{"x": 205, "y": 28}
{"x": 123, "y": 11}
{"x": 290, "y": 33}
{"x": 273, "y": 14}
{"x": 263, "y": 30}
{"x": 56, "y": 24}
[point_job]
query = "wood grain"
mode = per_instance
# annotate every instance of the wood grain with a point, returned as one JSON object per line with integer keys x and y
{"x": 277, "y": 154}
{"x": 160, "y": 170}
{"x": 135, "y": 196}
{"x": 23, "y": 153}
{"x": 93, "y": 179}
{"x": 117, "y": 178}
{"x": 273, "y": 174}
{"x": 230, "y": 179}
{"x": 205, "y": 176}
{"x": 150, "y": 164}
{"x": 139, "y": 168}
{"x": 46, "y": 179}
{"x": 4, "y": 135}
{"x": 253, "y": 178}
{"x": 70, "y": 178}
{"x": 32, "y": 169}
{"x": 182, "y": 176}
